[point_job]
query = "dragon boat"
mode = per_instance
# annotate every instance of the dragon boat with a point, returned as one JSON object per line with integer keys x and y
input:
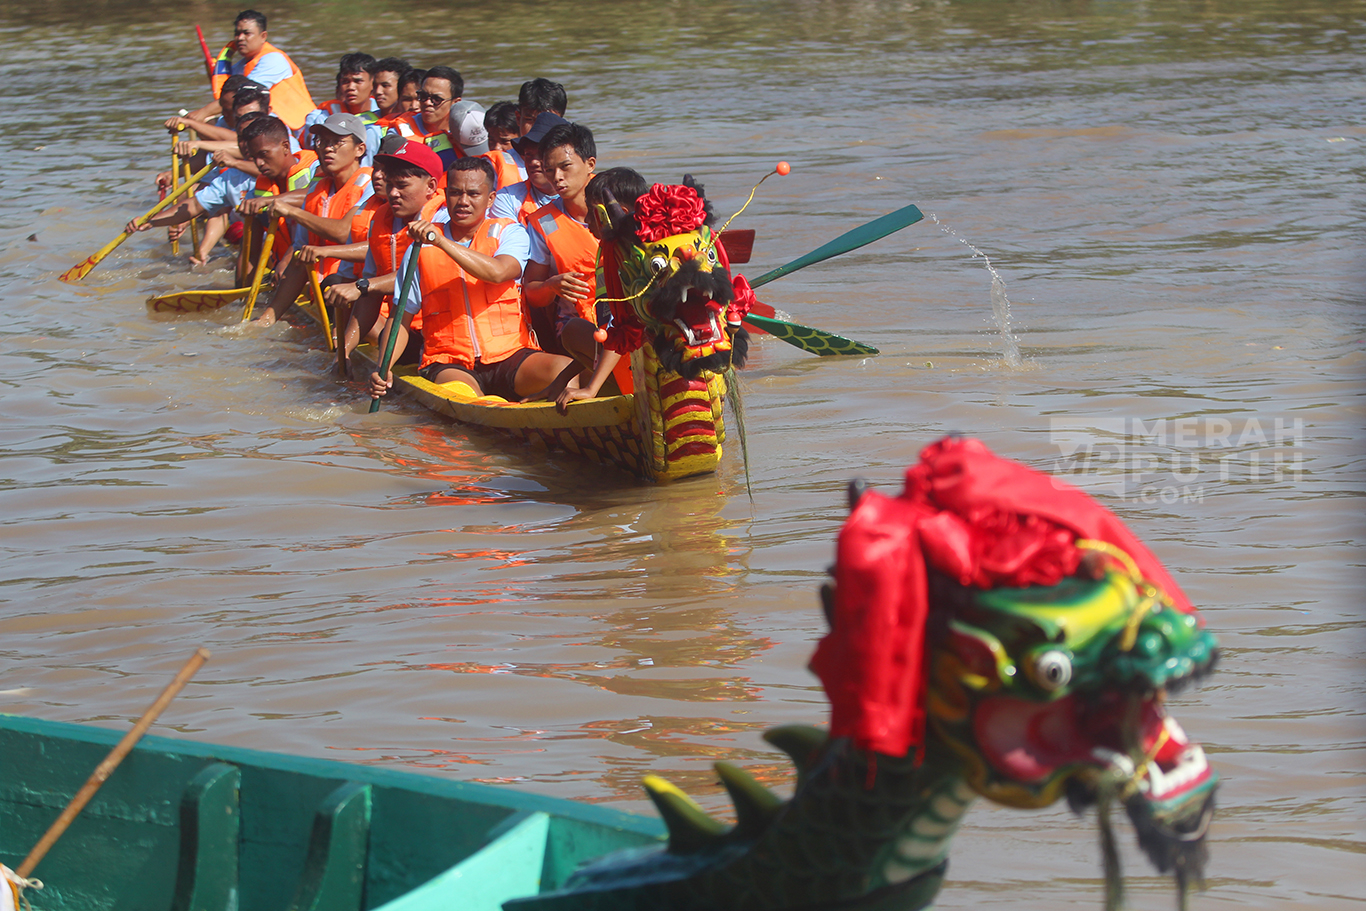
{"x": 993, "y": 633}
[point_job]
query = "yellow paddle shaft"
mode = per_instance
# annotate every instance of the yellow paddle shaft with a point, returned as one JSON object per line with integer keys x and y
{"x": 261, "y": 265}
{"x": 322, "y": 307}
{"x": 82, "y": 269}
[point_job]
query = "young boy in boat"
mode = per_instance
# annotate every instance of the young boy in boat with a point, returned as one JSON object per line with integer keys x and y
{"x": 500, "y": 124}
{"x": 522, "y": 199}
{"x": 263, "y": 63}
{"x": 561, "y": 273}
{"x": 355, "y": 88}
{"x": 466, "y": 291}
{"x": 342, "y": 187}
{"x": 411, "y": 171}
{"x": 285, "y": 177}
{"x": 388, "y": 78}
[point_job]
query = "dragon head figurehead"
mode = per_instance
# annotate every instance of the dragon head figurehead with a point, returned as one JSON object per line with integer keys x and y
{"x": 666, "y": 275}
{"x": 993, "y": 632}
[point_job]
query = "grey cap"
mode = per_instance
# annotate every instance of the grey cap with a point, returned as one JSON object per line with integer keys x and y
{"x": 467, "y": 127}
{"x": 342, "y": 124}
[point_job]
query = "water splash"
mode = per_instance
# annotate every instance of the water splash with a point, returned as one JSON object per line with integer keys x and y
{"x": 1000, "y": 303}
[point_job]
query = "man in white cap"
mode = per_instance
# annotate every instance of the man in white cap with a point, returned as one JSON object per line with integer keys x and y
{"x": 341, "y": 187}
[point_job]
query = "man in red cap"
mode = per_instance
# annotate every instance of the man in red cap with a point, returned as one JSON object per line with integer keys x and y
{"x": 411, "y": 172}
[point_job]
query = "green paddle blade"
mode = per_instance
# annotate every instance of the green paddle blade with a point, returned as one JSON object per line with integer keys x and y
{"x": 860, "y": 236}
{"x": 816, "y": 341}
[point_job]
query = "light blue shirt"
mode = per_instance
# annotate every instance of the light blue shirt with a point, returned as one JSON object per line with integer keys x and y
{"x": 270, "y": 68}
{"x": 224, "y": 191}
{"x": 512, "y": 242}
{"x": 507, "y": 202}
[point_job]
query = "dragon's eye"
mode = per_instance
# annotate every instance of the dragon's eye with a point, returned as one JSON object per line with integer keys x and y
{"x": 1052, "y": 670}
{"x": 711, "y": 255}
{"x": 657, "y": 263}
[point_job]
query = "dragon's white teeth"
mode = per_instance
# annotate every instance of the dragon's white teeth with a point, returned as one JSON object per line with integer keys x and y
{"x": 1114, "y": 759}
{"x": 1189, "y": 768}
{"x": 1175, "y": 730}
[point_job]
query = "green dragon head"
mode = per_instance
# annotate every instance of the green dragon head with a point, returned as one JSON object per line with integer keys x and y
{"x": 992, "y": 632}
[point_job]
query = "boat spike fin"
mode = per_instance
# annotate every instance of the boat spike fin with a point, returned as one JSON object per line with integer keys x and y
{"x": 755, "y": 805}
{"x": 802, "y": 743}
{"x": 690, "y": 828}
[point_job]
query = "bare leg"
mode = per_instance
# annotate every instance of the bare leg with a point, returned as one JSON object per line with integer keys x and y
{"x": 214, "y": 229}
{"x": 544, "y": 375}
{"x": 361, "y": 323}
{"x": 287, "y": 289}
{"x": 578, "y": 342}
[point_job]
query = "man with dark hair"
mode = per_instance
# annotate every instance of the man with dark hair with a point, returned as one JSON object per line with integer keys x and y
{"x": 539, "y": 96}
{"x": 408, "y": 88}
{"x": 388, "y": 78}
{"x": 520, "y": 200}
{"x": 466, "y": 291}
{"x": 263, "y": 63}
{"x": 562, "y": 267}
{"x": 355, "y": 86}
{"x": 285, "y": 175}
{"x": 441, "y": 88}
{"x": 324, "y": 219}
{"x": 411, "y": 172}
{"x": 500, "y": 123}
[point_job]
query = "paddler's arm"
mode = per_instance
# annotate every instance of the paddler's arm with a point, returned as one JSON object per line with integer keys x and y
{"x": 496, "y": 270}
{"x": 347, "y": 293}
{"x": 351, "y": 253}
{"x": 542, "y": 287}
{"x": 208, "y": 112}
{"x": 255, "y": 204}
{"x": 177, "y": 216}
{"x": 382, "y": 380}
{"x": 333, "y": 229}
{"x": 606, "y": 363}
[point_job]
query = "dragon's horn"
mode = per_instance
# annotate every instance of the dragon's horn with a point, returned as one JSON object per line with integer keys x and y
{"x": 615, "y": 212}
{"x": 801, "y": 743}
{"x": 690, "y": 828}
{"x": 755, "y": 805}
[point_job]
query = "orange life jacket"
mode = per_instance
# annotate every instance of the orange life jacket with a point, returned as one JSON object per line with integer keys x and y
{"x": 506, "y": 169}
{"x": 360, "y": 224}
{"x": 388, "y": 246}
{"x": 289, "y": 97}
{"x": 297, "y": 178}
{"x": 573, "y": 248}
{"x": 466, "y": 319}
{"x": 326, "y": 201}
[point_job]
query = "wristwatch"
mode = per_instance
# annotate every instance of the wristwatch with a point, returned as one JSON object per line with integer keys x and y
{"x": 363, "y": 286}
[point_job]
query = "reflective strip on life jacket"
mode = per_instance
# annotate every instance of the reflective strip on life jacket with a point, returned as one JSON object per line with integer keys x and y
{"x": 573, "y": 248}
{"x": 325, "y": 201}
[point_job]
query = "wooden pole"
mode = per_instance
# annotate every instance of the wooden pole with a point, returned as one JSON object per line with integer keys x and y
{"x": 111, "y": 762}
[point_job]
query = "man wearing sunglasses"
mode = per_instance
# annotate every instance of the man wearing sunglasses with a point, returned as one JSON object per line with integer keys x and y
{"x": 441, "y": 88}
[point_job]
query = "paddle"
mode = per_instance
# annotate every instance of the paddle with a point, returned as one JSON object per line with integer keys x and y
{"x": 106, "y": 768}
{"x": 852, "y": 240}
{"x": 194, "y": 301}
{"x": 317, "y": 290}
{"x": 175, "y": 183}
{"x": 396, "y": 309}
{"x": 261, "y": 265}
{"x": 208, "y": 55}
{"x": 82, "y": 269}
{"x": 816, "y": 341}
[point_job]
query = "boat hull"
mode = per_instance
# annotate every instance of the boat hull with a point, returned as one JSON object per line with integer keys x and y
{"x": 181, "y": 824}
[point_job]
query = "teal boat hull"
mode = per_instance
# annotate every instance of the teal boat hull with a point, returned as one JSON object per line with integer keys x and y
{"x": 188, "y": 826}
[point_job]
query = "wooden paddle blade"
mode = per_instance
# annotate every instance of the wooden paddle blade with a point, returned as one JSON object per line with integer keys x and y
{"x": 82, "y": 269}
{"x": 194, "y": 301}
{"x": 816, "y": 341}
{"x": 739, "y": 245}
{"x": 852, "y": 240}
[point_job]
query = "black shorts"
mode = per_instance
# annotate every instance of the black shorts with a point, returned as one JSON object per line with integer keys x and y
{"x": 498, "y": 378}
